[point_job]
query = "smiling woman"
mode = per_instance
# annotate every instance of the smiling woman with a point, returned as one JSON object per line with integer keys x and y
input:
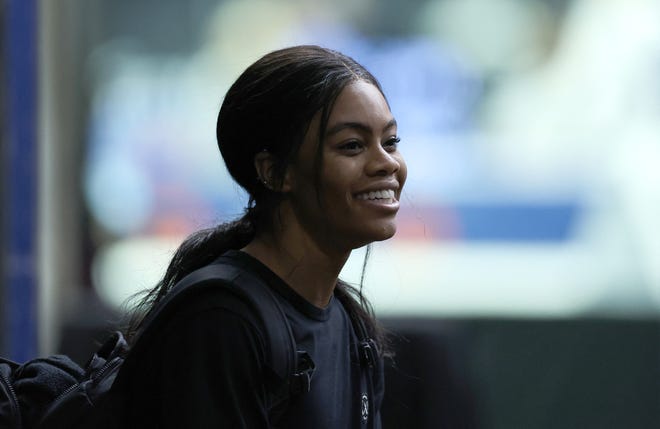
{"x": 308, "y": 133}
{"x": 361, "y": 175}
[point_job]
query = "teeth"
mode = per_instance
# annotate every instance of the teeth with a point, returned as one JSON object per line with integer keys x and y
{"x": 384, "y": 194}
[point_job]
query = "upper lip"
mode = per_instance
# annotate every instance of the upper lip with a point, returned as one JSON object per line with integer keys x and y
{"x": 380, "y": 186}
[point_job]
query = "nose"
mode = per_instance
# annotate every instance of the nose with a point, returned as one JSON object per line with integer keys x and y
{"x": 382, "y": 163}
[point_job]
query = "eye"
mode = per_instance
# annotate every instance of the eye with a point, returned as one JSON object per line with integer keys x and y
{"x": 351, "y": 147}
{"x": 391, "y": 144}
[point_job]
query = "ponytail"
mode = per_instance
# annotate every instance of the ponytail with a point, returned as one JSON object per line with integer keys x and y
{"x": 197, "y": 250}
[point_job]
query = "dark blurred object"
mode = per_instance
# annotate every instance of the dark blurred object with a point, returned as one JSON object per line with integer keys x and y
{"x": 522, "y": 374}
{"x": 3, "y": 144}
{"x": 18, "y": 178}
{"x": 581, "y": 373}
{"x": 427, "y": 383}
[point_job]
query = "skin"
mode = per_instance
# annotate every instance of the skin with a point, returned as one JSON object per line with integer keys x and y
{"x": 315, "y": 234}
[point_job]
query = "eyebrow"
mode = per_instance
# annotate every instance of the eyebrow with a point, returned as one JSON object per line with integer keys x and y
{"x": 357, "y": 126}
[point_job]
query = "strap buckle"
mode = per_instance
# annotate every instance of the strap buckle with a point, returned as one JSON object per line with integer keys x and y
{"x": 301, "y": 380}
{"x": 367, "y": 353}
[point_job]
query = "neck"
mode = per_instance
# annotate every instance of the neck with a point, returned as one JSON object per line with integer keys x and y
{"x": 309, "y": 270}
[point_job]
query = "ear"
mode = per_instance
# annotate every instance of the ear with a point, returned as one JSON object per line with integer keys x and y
{"x": 264, "y": 164}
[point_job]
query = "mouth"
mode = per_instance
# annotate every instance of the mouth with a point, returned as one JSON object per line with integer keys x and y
{"x": 385, "y": 196}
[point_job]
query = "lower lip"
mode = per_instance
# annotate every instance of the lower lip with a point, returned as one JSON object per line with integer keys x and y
{"x": 389, "y": 204}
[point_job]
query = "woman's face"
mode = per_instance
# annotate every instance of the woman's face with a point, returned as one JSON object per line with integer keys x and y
{"x": 362, "y": 172}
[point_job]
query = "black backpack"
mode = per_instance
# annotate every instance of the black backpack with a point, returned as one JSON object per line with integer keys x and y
{"x": 55, "y": 393}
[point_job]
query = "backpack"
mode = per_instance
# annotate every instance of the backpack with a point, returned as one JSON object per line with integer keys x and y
{"x": 54, "y": 392}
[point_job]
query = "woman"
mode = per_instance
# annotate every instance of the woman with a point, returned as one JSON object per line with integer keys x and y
{"x": 307, "y": 132}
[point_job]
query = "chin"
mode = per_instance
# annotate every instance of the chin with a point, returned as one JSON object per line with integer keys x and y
{"x": 375, "y": 234}
{"x": 386, "y": 234}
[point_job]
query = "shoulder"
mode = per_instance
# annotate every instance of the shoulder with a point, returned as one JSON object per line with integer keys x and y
{"x": 222, "y": 297}
{"x": 216, "y": 309}
{"x": 203, "y": 331}
{"x": 224, "y": 286}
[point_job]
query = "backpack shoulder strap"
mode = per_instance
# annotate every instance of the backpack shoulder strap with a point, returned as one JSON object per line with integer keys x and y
{"x": 221, "y": 274}
{"x": 369, "y": 363}
{"x": 292, "y": 369}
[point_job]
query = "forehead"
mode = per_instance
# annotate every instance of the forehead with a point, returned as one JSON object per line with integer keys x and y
{"x": 362, "y": 102}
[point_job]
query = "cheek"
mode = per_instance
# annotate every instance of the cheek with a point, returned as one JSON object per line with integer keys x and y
{"x": 338, "y": 181}
{"x": 337, "y": 192}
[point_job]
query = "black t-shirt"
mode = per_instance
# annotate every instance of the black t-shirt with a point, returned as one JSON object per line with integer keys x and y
{"x": 205, "y": 369}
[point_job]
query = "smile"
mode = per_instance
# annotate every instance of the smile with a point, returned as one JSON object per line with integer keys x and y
{"x": 386, "y": 194}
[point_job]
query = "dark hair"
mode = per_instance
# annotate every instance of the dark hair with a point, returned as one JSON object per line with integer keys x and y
{"x": 269, "y": 107}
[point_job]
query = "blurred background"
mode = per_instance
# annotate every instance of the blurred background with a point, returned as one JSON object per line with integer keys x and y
{"x": 523, "y": 285}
